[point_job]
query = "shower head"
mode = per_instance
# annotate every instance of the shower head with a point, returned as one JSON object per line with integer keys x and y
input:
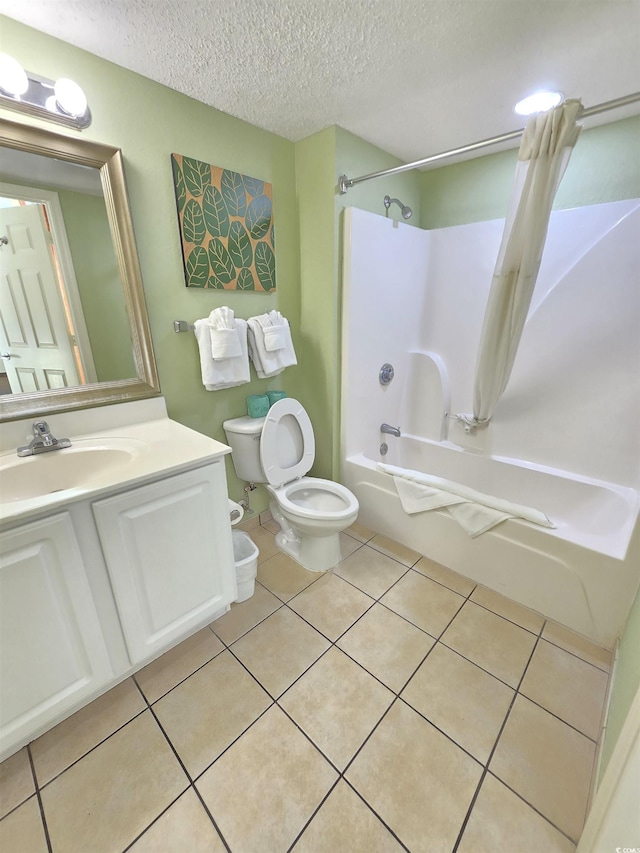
{"x": 405, "y": 210}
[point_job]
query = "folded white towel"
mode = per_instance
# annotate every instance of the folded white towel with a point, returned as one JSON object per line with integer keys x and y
{"x": 270, "y": 362}
{"x": 225, "y": 337}
{"x": 474, "y": 511}
{"x": 226, "y": 372}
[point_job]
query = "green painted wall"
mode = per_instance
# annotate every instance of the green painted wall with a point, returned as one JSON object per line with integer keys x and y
{"x": 605, "y": 166}
{"x": 626, "y": 683}
{"x": 96, "y": 269}
{"x": 149, "y": 122}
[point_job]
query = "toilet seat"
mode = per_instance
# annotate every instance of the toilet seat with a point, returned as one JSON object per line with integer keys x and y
{"x": 288, "y": 416}
{"x": 304, "y": 499}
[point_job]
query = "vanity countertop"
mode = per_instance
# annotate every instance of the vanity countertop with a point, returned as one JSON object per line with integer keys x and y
{"x": 97, "y": 463}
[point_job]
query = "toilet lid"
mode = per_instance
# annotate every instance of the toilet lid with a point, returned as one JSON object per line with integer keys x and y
{"x": 287, "y": 445}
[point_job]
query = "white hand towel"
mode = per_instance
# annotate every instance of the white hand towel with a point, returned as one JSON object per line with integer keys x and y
{"x": 275, "y": 337}
{"x": 474, "y": 511}
{"x": 270, "y": 362}
{"x": 227, "y": 372}
{"x": 225, "y": 337}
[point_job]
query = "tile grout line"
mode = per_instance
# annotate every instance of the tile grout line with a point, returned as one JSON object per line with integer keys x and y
{"x": 43, "y": 818}
{"x": 186, "y": 773}
{"x": 495, "y": 746}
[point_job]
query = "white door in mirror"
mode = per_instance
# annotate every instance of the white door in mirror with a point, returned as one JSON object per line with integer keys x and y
{"x": 34, "y": 329}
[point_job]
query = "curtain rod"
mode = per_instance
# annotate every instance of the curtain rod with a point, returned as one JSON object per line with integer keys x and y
{"x": 345, "y": 183}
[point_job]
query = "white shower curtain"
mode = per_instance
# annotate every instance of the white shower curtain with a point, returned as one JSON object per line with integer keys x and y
{"x": 544, "y": 153}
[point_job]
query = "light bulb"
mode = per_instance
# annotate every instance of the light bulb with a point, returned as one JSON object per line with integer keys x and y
{"x": 540, "y": 102}
{"x": 70, "y": 97}
{"x": 13, "y": 77}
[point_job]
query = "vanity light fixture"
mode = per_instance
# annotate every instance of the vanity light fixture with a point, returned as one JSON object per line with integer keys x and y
{"x": 539, "y": 102}
{"x": 62, "y": 101}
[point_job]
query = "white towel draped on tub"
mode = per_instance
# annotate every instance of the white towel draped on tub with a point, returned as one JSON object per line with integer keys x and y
{"x": 220, "y": 370}
{"x": 270, "y": 344}
{"x": 474, "y": 511}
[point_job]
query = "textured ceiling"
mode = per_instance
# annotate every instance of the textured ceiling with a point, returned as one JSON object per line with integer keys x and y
{"x": 413, "y": 76}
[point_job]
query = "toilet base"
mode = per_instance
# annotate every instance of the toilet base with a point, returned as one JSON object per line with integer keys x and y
{"x": 315, "y": 553}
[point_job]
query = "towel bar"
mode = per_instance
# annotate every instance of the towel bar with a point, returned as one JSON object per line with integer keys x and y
{"x": 182, "y": 326}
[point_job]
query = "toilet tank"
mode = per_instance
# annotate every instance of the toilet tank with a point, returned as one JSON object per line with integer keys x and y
{"x": 243, "y": 435}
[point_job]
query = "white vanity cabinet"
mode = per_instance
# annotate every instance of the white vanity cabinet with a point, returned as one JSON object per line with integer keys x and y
{"x": 94, "y": 590}
{"x": 52, "y": 651}
{"x": 169, "y": 557}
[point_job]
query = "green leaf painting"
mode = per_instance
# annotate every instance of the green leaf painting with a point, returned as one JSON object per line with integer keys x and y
{"x": 253, "y": 186}
{"x": 197, "y": 267}
{"x": 197, "y": 175}
{"x": 216, "y": 216}
{"x": 240, "y": 245}
{"x": 258, "y": 216}
{"x": 220, "y": 260}
{"x": 178, "y": 182}
{"x": 233, "y": 192}
{"x": 266, "y": 266}
{"x": 246, "y": 280}
{"x": 226, "y": 227}
{"x": 193, "y": 229}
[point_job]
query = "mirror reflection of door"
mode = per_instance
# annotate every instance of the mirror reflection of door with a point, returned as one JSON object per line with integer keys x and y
{"x": 37, "y": 331}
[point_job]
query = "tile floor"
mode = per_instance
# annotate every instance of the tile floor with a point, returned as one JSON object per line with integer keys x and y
{"x": 388, "y": 705}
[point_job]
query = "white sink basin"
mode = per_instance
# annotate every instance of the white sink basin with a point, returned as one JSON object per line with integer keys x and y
{"x": 77, "y": 467}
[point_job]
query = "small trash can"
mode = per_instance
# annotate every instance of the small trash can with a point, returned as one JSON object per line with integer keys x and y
{"x": 245, "y": 557}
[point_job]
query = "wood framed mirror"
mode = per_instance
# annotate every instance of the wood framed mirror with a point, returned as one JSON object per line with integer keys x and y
{"x": 67, "y": 196}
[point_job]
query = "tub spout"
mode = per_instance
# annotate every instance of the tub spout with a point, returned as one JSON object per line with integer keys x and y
{"x": 389, "y": 430}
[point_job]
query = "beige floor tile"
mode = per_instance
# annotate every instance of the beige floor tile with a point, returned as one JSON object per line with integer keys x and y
{"x": 208, "y": 711}
{"x": 265, "y": 517}
{"x": 264, "y": 789}
{"x": 386, "y": 645}
{"x": 265, "y": 542}
{"x": 248, "y": 523}
{"x": 360, "y": 532}
{"x": 427, "y": 604}
{"x": 107, "y": 799}
{"x": 244, "y": 616}
{"x": 345, "y": 823}
{"x": 279, "y": 650}
{"x": 577, "y": 645}
{"x": 348, "y": 545}
{"x": 509, "y": 609}
{"x": 502, "y": 821}
{"x": 568, "y": 687}
{"x": 416, "y": 779}
{"x": 272, "y": 526}
{"x": 370, "y": 570}
{"x": 184, "y": 828}
{"x": 548, "y": 763}
{"x": 22, "y": 830}
{"x": 395, "y": 550}
{"x": 447, "y": 577}
{"x": 16, "y": 781}
{"x": 285, "y": 578}
{"x": 461, "y": 699}
{"x": 337, "y": 704}
{"x": 498, "y": 646}
{"x": 76, "y": 735}
{"x": 178, "y": 663}
{"x": 331, "y": 605}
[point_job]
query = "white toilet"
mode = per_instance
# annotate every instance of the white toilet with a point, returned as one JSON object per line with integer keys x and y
{"x": 278, "y": 450}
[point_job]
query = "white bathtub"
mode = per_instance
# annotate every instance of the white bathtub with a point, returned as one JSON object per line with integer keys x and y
{"x": 583, "y": 573}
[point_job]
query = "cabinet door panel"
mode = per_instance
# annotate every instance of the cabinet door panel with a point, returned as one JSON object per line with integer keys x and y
{"x": 52, "y": 651}
{"x": 169, "y": 556}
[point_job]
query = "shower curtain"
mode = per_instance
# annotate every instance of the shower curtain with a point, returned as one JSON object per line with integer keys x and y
{"x": 544, "y": 153}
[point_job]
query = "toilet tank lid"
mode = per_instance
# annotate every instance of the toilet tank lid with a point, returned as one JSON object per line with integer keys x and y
{"x": 244, "y": 425}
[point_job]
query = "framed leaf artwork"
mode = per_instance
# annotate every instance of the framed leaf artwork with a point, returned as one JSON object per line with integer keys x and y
{"x": 226, "y": 227}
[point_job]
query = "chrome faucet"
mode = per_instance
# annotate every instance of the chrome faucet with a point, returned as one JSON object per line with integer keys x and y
{"x": 42, "y": 441}
{"x": 390, "y": 430}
